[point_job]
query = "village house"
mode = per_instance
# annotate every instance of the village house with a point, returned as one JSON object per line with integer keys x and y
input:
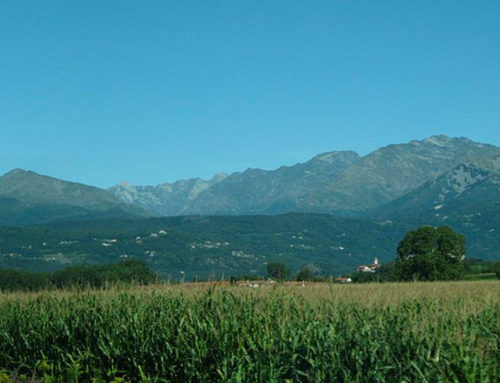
{"x": 369, "y": 268}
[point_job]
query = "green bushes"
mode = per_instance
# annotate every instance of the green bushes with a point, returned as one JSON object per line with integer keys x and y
{"x": 131, "y": 271}
{"x": 238, "y": 335}
{"x": 99, "y": 276}
{"x": 15, "y": 280}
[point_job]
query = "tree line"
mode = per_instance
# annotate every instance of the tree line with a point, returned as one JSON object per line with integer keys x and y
{"x": 95, "y": 276}
{"x": 425, "y": 254}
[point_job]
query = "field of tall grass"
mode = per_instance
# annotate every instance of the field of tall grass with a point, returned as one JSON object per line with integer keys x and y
{"x": 401, "y": 332}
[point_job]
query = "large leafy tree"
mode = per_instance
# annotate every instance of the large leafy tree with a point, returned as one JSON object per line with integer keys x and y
{"x": 431, "y": 253}
{"x": 277, "y": 270}
{"x": 305, "y": 274}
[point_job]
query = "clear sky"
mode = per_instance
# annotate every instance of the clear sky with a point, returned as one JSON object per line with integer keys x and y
{"x": 153, "y": 91}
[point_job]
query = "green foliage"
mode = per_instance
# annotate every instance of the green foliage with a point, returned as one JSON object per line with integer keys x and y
{"x": 277, "y": 270}
{"x": 305, "y": 274}
{"x": 496, "y": 269}
{"x": 126, "y": 272}
{"x": 442, "y": 241}
{"x": 478, "y": 266}
{"x": 16, "y": 280}
{"x": 203, "y": 247}
{"x": 333, "y": 245}
{"x": 387, "y": 272}
{"x": 361, "y": 277}
{"x": 430, "y": 254}
{"x": 221, "y": 335}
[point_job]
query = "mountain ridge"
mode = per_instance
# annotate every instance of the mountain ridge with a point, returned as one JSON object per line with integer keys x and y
{"x": 27, "y": 197}
{"x": 372, "y": 201}
{"x": 337, "y": 182}
{"x": 393, "y": 170}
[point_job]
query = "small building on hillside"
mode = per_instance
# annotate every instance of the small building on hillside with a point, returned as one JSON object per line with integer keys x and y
{"x": 369, "y": 268}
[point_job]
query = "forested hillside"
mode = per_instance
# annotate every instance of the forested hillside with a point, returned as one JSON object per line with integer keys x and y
{"x": 203, "y": 246}
{"x": 212, "y": 247}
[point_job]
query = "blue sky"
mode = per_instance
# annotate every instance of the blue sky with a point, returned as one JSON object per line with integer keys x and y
{"x": 153, "y": 91}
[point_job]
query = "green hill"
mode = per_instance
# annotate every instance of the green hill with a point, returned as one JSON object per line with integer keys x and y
{"x": 216, "y": 246}
{"x": 203, "y": 246}
{"x": 29, "y": 198}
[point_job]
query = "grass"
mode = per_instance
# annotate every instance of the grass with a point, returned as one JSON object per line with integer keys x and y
{"x": 435, "y": 332}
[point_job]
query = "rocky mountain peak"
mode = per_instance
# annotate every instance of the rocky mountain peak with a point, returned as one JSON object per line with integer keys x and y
{"x": 331, "y": 157}
{"x": 329, "y": 182}
{"x": 125, "y": 185}
{"x": 219, "y": 177}
{"x": 438, "y": 140}
{"x": 464, "y": 176}
{"x": 18, "y": 173}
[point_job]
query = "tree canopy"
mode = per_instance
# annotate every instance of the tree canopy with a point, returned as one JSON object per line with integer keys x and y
{"x": 277, "y": 270}
{"x": 305, "y": 274}
{"x": 431, "y": 253}
{"x": 97, "y": 276}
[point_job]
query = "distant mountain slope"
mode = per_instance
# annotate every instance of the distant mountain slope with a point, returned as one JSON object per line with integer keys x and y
{"x": 216, "y": 246}
{"x": 340, "y": 183}
{"x": 203, "y": 246}
{"x": 164, "y": 199}
{"x": 27, "y": 198}
{"x": 33, "y": 188}
{"x": 253, "y": 191}
{"x": 258, "y": 191}
{"x": 394, "y": 170}
{"x": 454, "y": 190}
{"x": 466, "y": 198}
{"x": 335, "y": 182}
{"x": 436, "y": 181}
{"x": 17, "y": 213}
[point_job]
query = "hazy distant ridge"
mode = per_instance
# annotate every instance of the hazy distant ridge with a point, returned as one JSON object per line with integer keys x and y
{"x": 392, "y": 180}
{"x": 29, "y": 198}
{"x": 334, "y": 182}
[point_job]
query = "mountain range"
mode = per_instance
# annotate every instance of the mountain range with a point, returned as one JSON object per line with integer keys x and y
{"x": 336, "y": 182}
{"x": 361, "y": 206}
{"x": 396, "y": 178}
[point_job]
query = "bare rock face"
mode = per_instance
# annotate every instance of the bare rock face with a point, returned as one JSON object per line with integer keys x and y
{"x": 166, "y": 198}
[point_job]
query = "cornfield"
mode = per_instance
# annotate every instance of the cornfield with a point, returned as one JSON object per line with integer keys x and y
{"x": 415, "y": 332}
